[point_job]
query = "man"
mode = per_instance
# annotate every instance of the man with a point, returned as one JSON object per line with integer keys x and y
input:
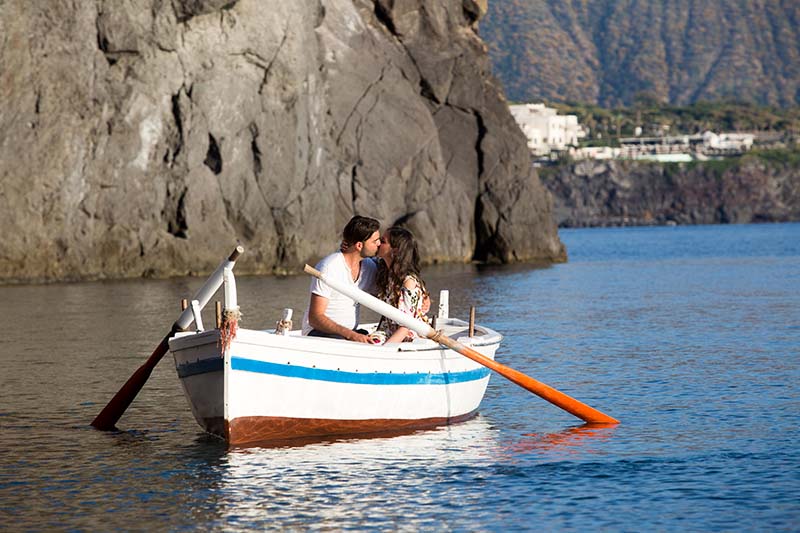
{"x": 331, "y": 313}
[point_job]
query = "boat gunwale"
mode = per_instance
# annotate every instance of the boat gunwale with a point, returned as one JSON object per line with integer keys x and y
{"x": 343, "y": 348}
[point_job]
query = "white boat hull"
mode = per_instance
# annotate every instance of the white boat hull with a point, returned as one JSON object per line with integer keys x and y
{"x": 271, "y": 387}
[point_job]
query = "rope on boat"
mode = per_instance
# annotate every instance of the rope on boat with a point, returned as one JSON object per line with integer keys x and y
{"x": 283, "y": 327}
{"x": 437, "y": 337}
{"x": 230, "y": 325}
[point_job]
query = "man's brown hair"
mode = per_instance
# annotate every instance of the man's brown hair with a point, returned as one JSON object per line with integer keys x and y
{"x": 359, "y": 229}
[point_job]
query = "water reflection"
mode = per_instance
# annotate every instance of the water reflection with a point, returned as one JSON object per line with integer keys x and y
{"x": 569, "y": 442}
{"x": 335, "y": 481}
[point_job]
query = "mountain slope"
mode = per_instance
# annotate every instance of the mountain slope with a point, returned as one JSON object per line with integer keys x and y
{"x": 676, "y": 51}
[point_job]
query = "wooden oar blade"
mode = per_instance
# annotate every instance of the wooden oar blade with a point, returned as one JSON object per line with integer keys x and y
{"x": 113, "y": 411}
{"x": 544, "y": 391}
{"x": 567, "y": 403}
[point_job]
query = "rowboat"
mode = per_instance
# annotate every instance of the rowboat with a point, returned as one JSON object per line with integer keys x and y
{"x": 260, "y": 385}
{"x": 268, "y": 386}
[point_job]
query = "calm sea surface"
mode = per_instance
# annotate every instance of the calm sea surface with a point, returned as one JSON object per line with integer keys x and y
{"x": 689, "y": 335}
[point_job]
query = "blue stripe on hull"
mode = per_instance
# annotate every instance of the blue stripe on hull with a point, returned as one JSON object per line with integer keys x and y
{"x": 359, "y": 378}
{"x": 335, "y": 376}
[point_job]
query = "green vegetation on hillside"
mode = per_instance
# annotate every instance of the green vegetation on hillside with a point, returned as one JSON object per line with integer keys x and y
{"x": 658, "y": 119}
{"x": 778, "y": 160}
{"x": 676, "y": 51}
{"x": 785, "y": 157}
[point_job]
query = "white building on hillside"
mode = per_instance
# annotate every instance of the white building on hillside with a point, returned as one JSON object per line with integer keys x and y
{"x": 545, "y": 129}
{"x": 595, "y": 152}
{"x": 728, "y": 141}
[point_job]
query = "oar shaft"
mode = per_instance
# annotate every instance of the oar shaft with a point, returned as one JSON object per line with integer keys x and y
{"x": 546, "y": 392}
{"x": 389, "y": 311}
{"x": 212, "y": 284}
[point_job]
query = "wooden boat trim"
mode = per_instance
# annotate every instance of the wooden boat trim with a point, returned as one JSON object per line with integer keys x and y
{"x": 247, "y": 430}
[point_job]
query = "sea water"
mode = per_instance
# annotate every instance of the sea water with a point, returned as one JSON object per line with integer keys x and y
{"x": 690, "y": 336}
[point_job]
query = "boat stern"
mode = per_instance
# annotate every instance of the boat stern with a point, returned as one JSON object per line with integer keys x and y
{"x": 200, "y": 365}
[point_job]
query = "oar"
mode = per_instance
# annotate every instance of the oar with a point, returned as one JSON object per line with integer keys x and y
{"x": 557, "y": 398}
{"x": 108, "y": 417}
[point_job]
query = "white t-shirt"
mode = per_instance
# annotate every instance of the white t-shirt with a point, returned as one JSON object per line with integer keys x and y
{"x": 342, "y": 309}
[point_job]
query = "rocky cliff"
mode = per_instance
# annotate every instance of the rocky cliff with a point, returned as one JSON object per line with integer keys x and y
{"x": 147, "y": 137}
{"x": 628, "y": 193}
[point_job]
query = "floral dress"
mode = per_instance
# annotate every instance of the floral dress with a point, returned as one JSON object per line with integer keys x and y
{"x": 410, "y": 301}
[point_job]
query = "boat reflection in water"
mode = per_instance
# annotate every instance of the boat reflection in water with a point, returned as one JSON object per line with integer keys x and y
{"x": 380, "y": 478}
{"x": 334, "y": 481}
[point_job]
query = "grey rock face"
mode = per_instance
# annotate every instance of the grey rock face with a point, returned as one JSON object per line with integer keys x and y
{"x": 147, "y": 137}
{"x": 628, "y": 193}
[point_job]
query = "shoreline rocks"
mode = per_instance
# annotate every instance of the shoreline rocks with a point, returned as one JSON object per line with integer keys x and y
{"x": 147, "y": 138}
{"x": 631, "y": 193}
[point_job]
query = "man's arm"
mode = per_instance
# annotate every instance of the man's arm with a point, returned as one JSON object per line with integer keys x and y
{"x": 319, "y": 321}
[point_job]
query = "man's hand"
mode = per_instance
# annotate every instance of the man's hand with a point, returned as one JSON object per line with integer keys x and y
{"x": 358, "y": 337}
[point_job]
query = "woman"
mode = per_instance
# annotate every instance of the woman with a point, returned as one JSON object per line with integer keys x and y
{"x": 399, "y": 282}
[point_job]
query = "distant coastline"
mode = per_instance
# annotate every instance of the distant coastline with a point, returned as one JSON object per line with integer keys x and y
{"x": 762, "y": 186}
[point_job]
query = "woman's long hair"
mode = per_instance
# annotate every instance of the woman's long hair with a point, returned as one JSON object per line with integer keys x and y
{"x": 405, "y": 262}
